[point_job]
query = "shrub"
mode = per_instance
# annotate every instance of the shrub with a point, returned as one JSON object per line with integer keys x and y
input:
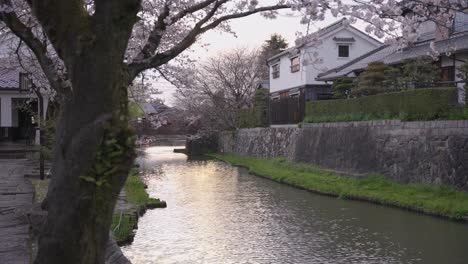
{"x": 257, "y": 115}
{"x": 420, "y": 70}
{"x": 373, "y": 80}
{"x": 421, "y": 104}
{"x": 463, "y": 75}
{"x": 342, "y": 87}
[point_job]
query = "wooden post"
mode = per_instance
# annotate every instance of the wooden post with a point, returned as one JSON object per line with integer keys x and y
{"x": 41, "y": 136}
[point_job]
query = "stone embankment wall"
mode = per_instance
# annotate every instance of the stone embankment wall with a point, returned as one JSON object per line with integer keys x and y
{"x": 433, "y": 152}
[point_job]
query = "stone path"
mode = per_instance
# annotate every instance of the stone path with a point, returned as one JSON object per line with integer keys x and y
{"x": 16, "y": 198}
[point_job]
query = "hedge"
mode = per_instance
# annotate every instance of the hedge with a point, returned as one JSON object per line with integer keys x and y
{"x": 250, "y": 117}
{"x": 419, "y": 104}
{"x": 257, "y": 115}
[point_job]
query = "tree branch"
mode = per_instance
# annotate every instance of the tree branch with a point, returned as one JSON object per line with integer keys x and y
{"x": 65, "y": 24}
{"x": 156, "y": 34}
{"x": 199, "y": 28}
{"x": 37, "y": 47}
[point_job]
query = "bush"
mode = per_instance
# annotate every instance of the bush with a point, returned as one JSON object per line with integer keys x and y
{"x": 463, "y": 75}
{"x": 373, "y": 80}
{"x": 421, "y": 104}
{"x": 256, "y": 116}
{"x": 420, "y": 70}
{"x": 342, "y": 87}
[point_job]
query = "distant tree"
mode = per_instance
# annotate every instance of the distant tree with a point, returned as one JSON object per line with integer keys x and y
{"x": 342, "y": 87}
{"x": 373, "y": 80}
{"x": 270, "y": 48}
{"x": 420, "y": 71}
{"x": 260, "y": 105}
{"x": 216, "y": 90}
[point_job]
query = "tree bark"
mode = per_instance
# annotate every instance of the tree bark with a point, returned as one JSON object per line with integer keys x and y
{"x": 93, "y": 154}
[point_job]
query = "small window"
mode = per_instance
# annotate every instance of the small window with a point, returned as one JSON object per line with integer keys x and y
{"x": 295, "y": 64}
{"x": 25, "y": 81}
{"x": 343, "y": 51}
{"x": 295, "y": 95}
{"x": 275, "y": 71}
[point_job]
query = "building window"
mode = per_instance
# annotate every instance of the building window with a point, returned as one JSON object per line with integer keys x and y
{"x": 25, "y": 82}
{"x": 275, "y": 71}
{"x": 343, "y": 51}
{"x": 295, "y": 64}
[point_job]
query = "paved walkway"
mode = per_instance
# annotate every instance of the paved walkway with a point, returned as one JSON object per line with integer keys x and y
{"x": 16, "y": 198}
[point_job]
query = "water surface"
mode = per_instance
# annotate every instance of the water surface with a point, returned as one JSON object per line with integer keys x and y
{"x": 220, "y": 214}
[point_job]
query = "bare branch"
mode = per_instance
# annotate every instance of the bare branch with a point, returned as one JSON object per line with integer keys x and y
{"x": 37, "y": 47}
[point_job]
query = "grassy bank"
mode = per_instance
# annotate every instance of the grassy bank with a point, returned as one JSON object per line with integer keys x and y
{"x": 135, "y": 191}
{"x": 440, "y": 201}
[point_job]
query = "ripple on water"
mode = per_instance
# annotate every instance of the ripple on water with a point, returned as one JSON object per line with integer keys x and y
{"x": 220, "y": 214}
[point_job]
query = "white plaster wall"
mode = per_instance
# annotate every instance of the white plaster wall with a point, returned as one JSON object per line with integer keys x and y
{"x": 287, "y": 78}
{"x": 328, "y": 51}
{"x": 9, "y": 116}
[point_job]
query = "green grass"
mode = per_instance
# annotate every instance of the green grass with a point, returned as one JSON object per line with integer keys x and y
{"x": 40, "y": 189}
{"x": 435, "y": 200}
{"x": 135, "y": 190}
{"x": 122, "y": 227}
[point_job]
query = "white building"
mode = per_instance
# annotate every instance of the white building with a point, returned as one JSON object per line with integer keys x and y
{"x": 451, "y": 44}
{"x": 293, "y": 72}
{"x": 15, "y": 91}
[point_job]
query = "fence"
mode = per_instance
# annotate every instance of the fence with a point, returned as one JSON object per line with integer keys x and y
{"x": 287, "y": 110}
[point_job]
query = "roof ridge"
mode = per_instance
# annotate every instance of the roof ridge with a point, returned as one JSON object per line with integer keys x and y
{"x": 330, "y": 26}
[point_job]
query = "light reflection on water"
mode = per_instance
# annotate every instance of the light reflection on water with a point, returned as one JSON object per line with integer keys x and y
{"x": 219, "y": 214}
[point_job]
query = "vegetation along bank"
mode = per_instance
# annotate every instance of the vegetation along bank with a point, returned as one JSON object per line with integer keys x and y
{"x": 129, "y": 209}
{"x": 440, "y": 201}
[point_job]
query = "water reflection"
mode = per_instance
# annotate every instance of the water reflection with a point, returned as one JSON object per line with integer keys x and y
{"x": 219, "y": 214}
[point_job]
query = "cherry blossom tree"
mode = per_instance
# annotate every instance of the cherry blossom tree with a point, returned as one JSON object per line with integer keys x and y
{"x": 214, "y": 91}
{"x": 91, "y": 50}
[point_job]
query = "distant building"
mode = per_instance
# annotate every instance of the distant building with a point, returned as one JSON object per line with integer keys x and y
{"x": 15, "y": 90}
{"x": 451, "y": 45}
{"x": 293, "y": 72}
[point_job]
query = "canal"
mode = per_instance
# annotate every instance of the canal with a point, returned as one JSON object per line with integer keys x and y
{"x": 220, "y": 214}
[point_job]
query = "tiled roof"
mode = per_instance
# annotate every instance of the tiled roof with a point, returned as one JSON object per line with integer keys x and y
{"x": 322, "y": 32}
{"x": 390, "y": 54}
{"x": 9, "y": 78}
{"x": 378, "y": 54}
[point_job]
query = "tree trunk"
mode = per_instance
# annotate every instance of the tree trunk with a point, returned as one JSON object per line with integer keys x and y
{"x": 93, "y": 155}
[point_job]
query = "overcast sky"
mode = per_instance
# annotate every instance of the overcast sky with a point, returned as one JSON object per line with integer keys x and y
{"x": 251, "y": 32}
